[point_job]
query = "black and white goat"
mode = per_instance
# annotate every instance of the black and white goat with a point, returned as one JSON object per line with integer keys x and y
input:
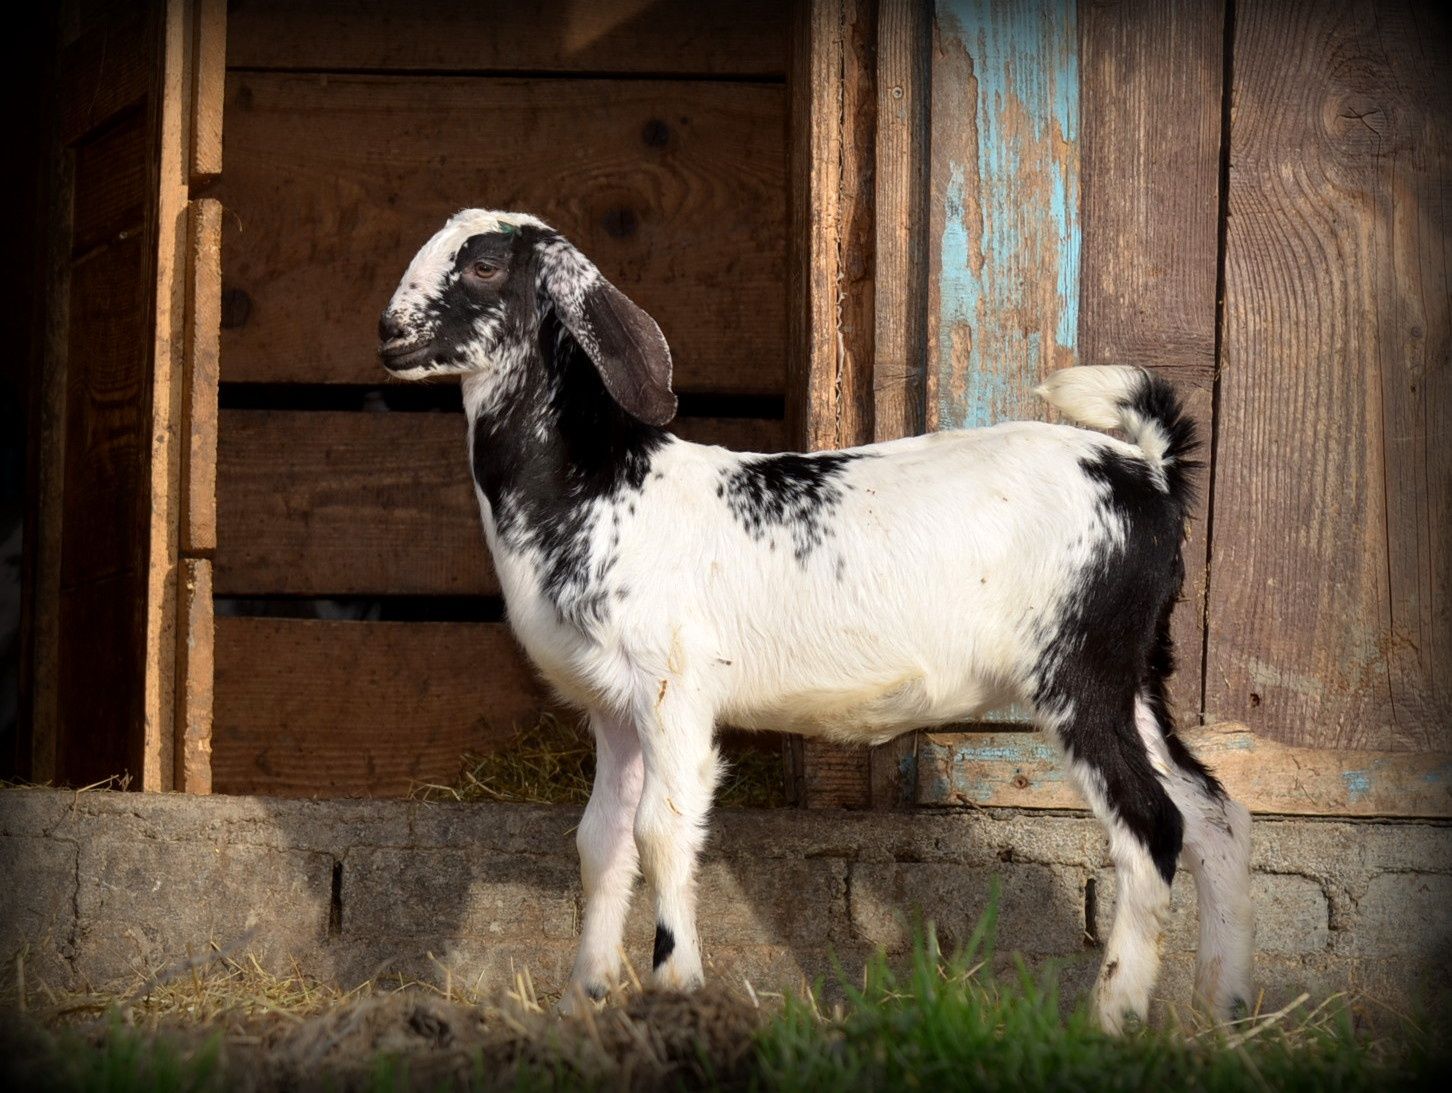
{"x": 667, "y": 587}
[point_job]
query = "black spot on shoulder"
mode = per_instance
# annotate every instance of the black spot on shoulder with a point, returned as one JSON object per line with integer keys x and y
{"x": 794, "y": 492}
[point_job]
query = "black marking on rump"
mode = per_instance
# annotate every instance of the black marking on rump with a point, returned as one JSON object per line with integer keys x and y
{"x": 1157, "y": 400}
{"x": 1113, "y": 643}
{"x": 665, "y": 944}
{"x": 793, "y": 491}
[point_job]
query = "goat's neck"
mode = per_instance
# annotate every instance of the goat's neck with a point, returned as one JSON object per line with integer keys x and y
{"x": 546, "y": 438}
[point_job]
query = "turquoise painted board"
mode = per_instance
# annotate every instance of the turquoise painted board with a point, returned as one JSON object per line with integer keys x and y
{"x": 1004, "y": 221}
{"x": 1004, "y": 211}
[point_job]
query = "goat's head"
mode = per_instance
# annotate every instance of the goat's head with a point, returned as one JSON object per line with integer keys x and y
{"x": 473, "y": 298}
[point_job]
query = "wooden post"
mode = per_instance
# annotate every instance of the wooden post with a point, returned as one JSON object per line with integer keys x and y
{"x": 830, "y": 283}
{"x": 899, "y": 370}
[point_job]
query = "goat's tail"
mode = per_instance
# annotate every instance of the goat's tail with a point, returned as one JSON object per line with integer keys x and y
{"x": 1143, "y": 405}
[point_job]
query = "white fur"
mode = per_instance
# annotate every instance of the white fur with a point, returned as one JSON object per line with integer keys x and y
{"x": 928, "y": 590}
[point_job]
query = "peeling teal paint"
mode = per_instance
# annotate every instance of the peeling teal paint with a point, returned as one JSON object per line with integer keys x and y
{"x": 1358, "y": 783}
{"x": 1007, "y": 263}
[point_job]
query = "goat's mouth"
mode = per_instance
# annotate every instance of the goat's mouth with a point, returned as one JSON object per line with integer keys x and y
{"x": 400, "y": 355}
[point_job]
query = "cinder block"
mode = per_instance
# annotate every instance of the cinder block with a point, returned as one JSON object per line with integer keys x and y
{"x": 37, "y": 904}
{"x": 1291, "y": 913}
{"x": 394, "y": 892}
{"x": 1405, "y": 914}
{"x": 147, "y": 904}
{"x": 796, "y": 905}
{"x": 1040, "y": 909}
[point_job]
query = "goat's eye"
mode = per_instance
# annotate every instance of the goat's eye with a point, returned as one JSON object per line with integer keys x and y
{"x": 485, "y": 270}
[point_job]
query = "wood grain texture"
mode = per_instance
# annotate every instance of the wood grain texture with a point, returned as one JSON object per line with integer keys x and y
{"x": 830, "y": 284}
{"x": 1330, "y": 619}
{"x": 899, "y": 367}
{"x": 831, "y": 272}
{"x": 317, "y": 503}
{"x": 203, "y": 365}
{"x": 675, "y": 189}
{"x": 195, "y": 670}
{"x": 707, "y": 37}
{"x": 309, "y": 708}
{"x": 1150, "y": 151}
{"x": 105, "y": 430}
{"x": 107, "y": 69}
{"x": 112, "y": 179}
{"x": 162, "y": 430}
{"x": 1024, "y": 770}
{"x": 1004, "y": 206}
{"x": 208, "y": 89}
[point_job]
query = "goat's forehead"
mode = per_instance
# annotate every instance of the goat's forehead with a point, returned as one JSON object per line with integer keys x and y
{"x": 435, "y": 259}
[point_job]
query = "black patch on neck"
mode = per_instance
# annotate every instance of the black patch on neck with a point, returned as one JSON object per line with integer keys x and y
{"x": 665, "y": 944}
{"x": 555, "y": 445}
{"x": 794, "y": 492}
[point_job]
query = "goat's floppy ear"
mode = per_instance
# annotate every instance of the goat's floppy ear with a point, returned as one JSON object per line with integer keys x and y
{"x": 626, "y": 346}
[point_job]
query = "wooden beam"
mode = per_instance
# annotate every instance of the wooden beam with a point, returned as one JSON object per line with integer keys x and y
{"x": 170, "y": 108}
{"x": 1151, "y": 102}
{"x": 830, "y": 284}
{"x": 203, "y": 345}
{"x": 194, "y": 673}
{"x": 208, "y": 89}
{"x": 1025, "y": 770}
{"x": 899, "y": 369}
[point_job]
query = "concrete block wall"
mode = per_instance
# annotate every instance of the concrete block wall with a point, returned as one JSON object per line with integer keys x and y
{"x": 101, "y": 887}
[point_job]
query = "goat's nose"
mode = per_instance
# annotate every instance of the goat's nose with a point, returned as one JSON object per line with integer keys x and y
{"x": 390, "y": 327}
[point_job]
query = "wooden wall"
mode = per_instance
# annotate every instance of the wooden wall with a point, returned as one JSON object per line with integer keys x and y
{"x": 1263, "y": 219}
{"x": 654, "y": 134}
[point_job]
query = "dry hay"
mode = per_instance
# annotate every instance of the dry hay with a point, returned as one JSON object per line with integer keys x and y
{"x": 553, "y": 762}
{"x": 289, "y": 1032}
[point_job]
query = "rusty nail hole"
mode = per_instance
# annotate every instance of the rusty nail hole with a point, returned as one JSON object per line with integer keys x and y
{"x": 656, "y": 133}
{"x": 1254, "y": 699}
{"x": 1020, "y": 782}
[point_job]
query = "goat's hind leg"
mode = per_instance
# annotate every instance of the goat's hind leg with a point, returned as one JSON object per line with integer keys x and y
{"x": 1113, "y": 769}
{"x": 1217, "y": 854}
{"x": 608, "y": 858}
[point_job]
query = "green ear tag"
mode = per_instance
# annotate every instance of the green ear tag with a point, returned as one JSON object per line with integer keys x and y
{"x": 507, "y": 229}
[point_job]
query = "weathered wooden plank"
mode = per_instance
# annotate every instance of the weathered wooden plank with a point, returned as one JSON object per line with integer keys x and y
{"x": 203, "y": 346}
{"x": 209, "y": 84}
{"x": 830, "y": 323}
{"x": 99, "y": 680}
{"x": 162, "y": 434}
{"x": 107, "y": 69}
{"x": 715, "y": 37}
{"x": 676, "y": 189}
{"x": 195, "y": 670}
{"x": 830, "y": 283}
{"x": 1004, "y": 207}
{"x": 1025, "y": 770}
{"x": 369, "y": 503}
{"x": 310, "y": 708}
{"x": 104, "y": 478}
{"x": 1150, "y": 151}
{"x": 1331, "y": 568}
{"x": 899, "y": 368}
{"x": 112, "y": 178}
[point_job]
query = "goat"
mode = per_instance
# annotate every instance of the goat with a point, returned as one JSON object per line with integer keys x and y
{"x": 667, "y": 587}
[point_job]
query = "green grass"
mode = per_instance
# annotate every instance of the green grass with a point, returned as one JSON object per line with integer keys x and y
{"x": 933, "y": 1023}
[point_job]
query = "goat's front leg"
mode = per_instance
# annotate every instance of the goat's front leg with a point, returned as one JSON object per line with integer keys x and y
{"x": 606, "y": 842}
{"x": 681, "y": 769}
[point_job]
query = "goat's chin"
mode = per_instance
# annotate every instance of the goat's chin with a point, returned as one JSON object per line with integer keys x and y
{"x": 425, "y": 374}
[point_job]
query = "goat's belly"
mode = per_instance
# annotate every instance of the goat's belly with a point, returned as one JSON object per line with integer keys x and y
{"x": 868, "y": 714}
